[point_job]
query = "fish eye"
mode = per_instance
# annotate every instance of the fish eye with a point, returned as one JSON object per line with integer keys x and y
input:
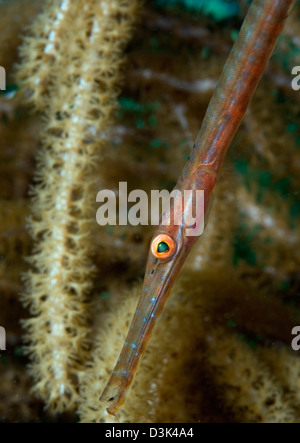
{"x": 163, "y": 246}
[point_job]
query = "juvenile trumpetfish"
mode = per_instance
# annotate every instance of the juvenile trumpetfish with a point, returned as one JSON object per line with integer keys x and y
{"x": 171, "y": 244}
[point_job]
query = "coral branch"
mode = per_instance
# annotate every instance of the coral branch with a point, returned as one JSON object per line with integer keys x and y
{"x": 88, "y": 38}
{"x": 224, "y": 341}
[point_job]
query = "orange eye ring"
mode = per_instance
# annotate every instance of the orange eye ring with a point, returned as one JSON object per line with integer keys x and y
{"x": 163, "y": 246}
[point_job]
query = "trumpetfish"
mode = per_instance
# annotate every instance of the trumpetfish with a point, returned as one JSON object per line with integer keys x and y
{"x": 170, "y": 244}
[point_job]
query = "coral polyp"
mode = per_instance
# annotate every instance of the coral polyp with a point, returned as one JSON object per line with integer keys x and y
{"x": 113, "y": 91}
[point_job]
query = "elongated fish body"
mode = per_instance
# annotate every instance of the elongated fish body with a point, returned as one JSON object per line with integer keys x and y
{"x": 170, "y": 245}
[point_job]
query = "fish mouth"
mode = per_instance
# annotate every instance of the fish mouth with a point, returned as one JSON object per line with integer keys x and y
{"x": 150, "y": 305}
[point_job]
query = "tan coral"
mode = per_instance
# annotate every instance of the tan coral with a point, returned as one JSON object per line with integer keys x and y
{"x": 79, "y": 103}
{"x": 249, "y": 390}
{"x": 209, "y": 371}
{"x": 14, "y": 16}
{"x": 234, "y": 317}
